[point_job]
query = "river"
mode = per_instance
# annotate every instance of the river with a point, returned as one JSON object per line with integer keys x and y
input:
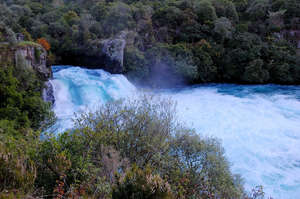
{"x": 258, "y": 125}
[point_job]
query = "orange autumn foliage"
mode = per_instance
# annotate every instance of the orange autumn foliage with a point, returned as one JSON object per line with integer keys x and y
{"x": 43, "y": 42}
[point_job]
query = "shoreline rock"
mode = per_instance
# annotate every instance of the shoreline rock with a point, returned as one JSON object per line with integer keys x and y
{"x": 48, "y": 93}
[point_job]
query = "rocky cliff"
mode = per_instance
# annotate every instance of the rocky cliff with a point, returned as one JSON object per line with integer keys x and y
{"x": 26, "y": 54}
{"x": 31, "y": 56}
{"x": 113, "y": 52}
{"x": 107, "y": 54}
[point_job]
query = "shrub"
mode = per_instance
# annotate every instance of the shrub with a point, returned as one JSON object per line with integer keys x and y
{"x": 255, "y": 72}
{"x": 141, "y": 184}
{"x": 205, "y": 11}
{"x": 135, "y": 64}
{"x": 204, "y": 169}
{"x": 17, "y": 171}
{"x": 27, "y": 36}
{"x": 43, "y": 42}
{"x": 146, "y": 132}
{"x": 37, "y": 54}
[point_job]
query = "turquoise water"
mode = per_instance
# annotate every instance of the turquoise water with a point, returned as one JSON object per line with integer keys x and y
{"x": 259, "y": 126}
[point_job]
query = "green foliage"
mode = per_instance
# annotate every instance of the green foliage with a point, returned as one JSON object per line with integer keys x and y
{"x": 176, "y": 42}
{"x": 205, "y": 169}
{"x": 27, "y": 36}
{"x": 135, "y": 64}
{"x": 145, "y": 132}
{"x": 22, "y": 102}
{"x": 37, "y": 54}
{"x": 205, "y": 11}
{"x": 7, "y": 34}
{"x": 17, "y": 170}
{"x": 119, "y": 17}
{"x": 71, "y": 17}
{"x": 141, "y": 184}
{"x": 129, "y": 125}
{"x": 255, "y": 73}
{"x": 258, "y": 9}
{"x": 207, "y": 70}
{"x": 224, "y": 28}
{"x": 173, "y": 63}
{"x": 226, "y": 8}
{"x": 181, "y": 59}
{"x": 126, "y": 149}
{"x": 74, "y": 29}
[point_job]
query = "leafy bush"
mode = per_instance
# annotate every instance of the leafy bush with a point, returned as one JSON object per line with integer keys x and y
{"x": 136, "y": 65}
{"x": 255, "y": 73}
{"x": 44, "y": 43}
{"x": 76, "y": 28}
{"x": 205, "y": 11}
{"x": 22, "y": 102}
{"x": 145, "y": 132}
{"x": 141, "y": 184}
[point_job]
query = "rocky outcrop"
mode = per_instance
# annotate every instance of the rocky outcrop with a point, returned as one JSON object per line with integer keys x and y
{"x": 48, "y": 95}
{"x": 113, "y": 52}
{"x": 107, "y": 54}
{"x": 31, "y": 56}
{"x": 28, "y": 55}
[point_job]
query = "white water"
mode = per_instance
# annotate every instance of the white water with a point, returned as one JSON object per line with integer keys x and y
{"x": 79, "y": 90}
{"x": 259, "y": 126}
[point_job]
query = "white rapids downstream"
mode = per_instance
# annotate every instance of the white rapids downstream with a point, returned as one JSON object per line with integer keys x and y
{"x": 259, "y": 125}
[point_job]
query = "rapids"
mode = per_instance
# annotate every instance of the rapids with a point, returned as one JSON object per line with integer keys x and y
{"x": 259, "y": 125}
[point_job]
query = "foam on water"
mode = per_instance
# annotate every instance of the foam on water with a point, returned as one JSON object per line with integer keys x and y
{"x": 260, "y": 133}
{"x": 79, "y": 90}
{"x": 259, "y": 126}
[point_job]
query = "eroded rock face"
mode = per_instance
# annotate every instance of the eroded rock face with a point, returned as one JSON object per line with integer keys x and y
{"x": 107, "y": 54}
{"x": 48, "y": 95}
{"x": 28, "y": 56}
{"x": 113, "y": 53}
{"x": 35, "y": 58}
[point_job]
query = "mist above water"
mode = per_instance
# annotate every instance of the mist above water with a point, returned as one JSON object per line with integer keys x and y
{"x": 259, "y": 126}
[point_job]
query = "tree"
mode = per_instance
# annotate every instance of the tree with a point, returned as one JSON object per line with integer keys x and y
{"x": 128, "y": 125}
{"x": 119, "y": 17}
{"x": 224, "y": 28}
{"x": 258, "y": 9}
{"x": 204, "y": 166}
{"x": 205, "y": 11}
{"x": 255, "y": 72}
{"x": 43, "y": 42}
{"x": 226, "y": 8}
{"x": 145, "y": 131}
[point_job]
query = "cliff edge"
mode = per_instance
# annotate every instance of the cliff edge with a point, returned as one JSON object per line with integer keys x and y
{"x": 27, "y": 54}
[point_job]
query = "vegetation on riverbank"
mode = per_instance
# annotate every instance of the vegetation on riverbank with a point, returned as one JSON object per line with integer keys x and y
{"x": 184, "y": 41}
{"x": 135, "y": 149}
{"x": 126, "y": 149}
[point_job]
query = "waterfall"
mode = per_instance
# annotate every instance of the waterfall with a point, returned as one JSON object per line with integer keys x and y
{"x": 259, "y": 126}
{"x": 78, "y": 90}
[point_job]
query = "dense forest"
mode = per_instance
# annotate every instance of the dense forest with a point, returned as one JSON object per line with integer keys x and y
{"x": 135, "y": 148}
{"x": 184, "y": 41}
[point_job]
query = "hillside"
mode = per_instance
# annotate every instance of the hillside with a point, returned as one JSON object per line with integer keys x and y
{"x": 184, "y": 41}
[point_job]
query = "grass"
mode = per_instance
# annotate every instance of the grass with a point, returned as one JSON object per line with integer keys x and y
{"x": 27, "y": 43}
